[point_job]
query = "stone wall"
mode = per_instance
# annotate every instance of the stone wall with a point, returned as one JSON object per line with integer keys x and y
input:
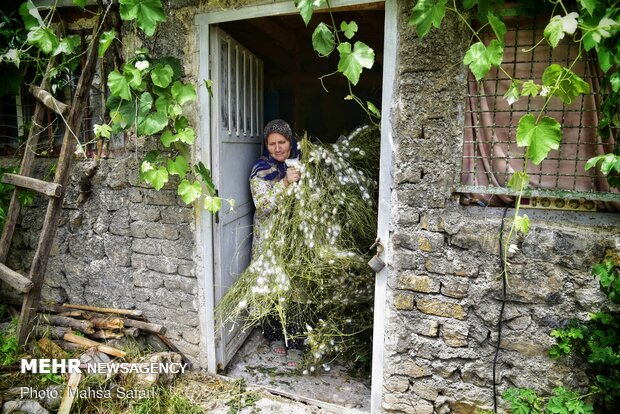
{"x": 119, "y": 244}
{"x": 444, "y": 289}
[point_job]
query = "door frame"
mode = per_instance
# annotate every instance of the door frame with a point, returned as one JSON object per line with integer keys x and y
{"x": 204, "y": 220}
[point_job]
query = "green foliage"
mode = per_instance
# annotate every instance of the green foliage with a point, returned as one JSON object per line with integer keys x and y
{"x": 564, "y": 83}
{"x": 352, "y": 61}
{"x": 427, "y": 13}
{"x": 597, "y": 341}
{"x": 563, "y": 401}
{"x": 323, "y": 40}
{"x": 147, "y": 13}
{"x": 609, "y": 164}
{"x": 105, "y": 41}
{"x": 306, "y": 8}
{"x": 539, "y": 137}
{"x": 481, "y": 59}
{"x": 9, "y": 347}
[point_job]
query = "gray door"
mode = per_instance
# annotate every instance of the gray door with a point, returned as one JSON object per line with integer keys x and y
{"x": 236, "y": 114}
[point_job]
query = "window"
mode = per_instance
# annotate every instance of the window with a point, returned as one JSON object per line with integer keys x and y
{"x": 490, "y": 152}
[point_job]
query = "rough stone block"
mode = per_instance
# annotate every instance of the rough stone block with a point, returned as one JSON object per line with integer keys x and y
{"x": 191, "y": 335}
{"x": 144, "y": 213}
{"x": 148, "y": 279}
{"x": 454, "y": 288}
{"x": 117, "y": 249}
{"x": 396, "y": 383}
{"x": 454, "y": 335}
{"x": 440, "y": 308}
{"x": 102, "y": 223}
{"x": 119, "y": 224}
{"x": 135, "y": 195}
{"x": 157, "y": 263}
{"x": 425, "y": 391}
{"x": 417, "y": 283}
{"x": 161, "y": 198}
{"x": 180, "y": 283}
{"x": 174, "y": 215}
{"x": 402, "y": 259}
{"x": 426, "y": 327}
{"x": 403, "y": 301}
{"x": 146, "y": 246}
{"x": 457, "y": 267}
{"x": 138, "y": 229}
{"x": 162, "y": 231}
{"x": 413, "y": 370}
{"x": 86, "y": 247}
{"x": 186, "y": 269}
{"x": 478, "y": 237}
{"x": 183, "y": 248}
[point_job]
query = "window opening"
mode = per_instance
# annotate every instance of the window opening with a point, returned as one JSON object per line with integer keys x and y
{"x": 490, "y": 152}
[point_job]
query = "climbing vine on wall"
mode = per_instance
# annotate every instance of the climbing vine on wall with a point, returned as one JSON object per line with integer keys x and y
{"x": 147, "y": 97}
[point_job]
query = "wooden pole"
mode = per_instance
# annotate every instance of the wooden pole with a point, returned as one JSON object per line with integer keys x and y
{"x": 129, "y": 312}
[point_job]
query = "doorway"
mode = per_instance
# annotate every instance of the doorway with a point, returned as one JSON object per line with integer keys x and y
{"x": 286, "y": 87}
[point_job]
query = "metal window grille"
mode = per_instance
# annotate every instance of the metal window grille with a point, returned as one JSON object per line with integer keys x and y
{"x": 491, "y": 154}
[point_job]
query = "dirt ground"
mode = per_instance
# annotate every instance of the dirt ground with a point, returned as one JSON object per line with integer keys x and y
{"x": 334, "y": 391}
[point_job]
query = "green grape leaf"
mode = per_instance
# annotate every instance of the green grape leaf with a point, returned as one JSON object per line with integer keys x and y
{"x": 119, "y": 85}
{"x": 105, "y": 41}
{"x": 67, "y": 45}
{"x": 189, "y": 191}
{"x": 519, "y": 181}
{"x": 175, "y": 110}
{"x": 589, "y": 5}
{"x": 614, "y": 80}
{"x": 373, "y": 109}
{"x": 186, "y": 135}
{"x": 205, "y": 174}
{"x": 352, "y": 62}
{"x": 512, "y": 94}
{"x": 498, "y": 26}
{"x": 167, "y": 138}
{"x": 80, "y": 3}
{"x": 323, "y": 40}
{"x": 604, "y": 29}
{"x": 133, "y": 76}
{"x": 162, "y": 103}
{"x": 609, "y": 162}
{"x": 522, "y": 223}
{"x": 529, "y": 88}
{"x": 153, "y": 123}
{"x": 605, "y": 57}
{"x": 161, "y": 75}
{"x": 559, "y": 26}
{"x": 540, "y": 138}
{"x": 349, "y": 29}
{"x": 427, "y": 13}
{"x": 44, "y": 39}
{"x": 480, "y": 59}
{"x": 147, "y": 13}
{"x": 306, "y": 8}
{"x": 181, "y": 123}
{"x": 179, "y": 166}
{"x": 30, "y": 15}
{"x": 183, "y": 93}
{"x": 102, "y": 130}
{"x": 212, "y": 204}
{"x": 564, "y": 83}
{"x": 157, "y": 177}
{"x": 123, "y": 113}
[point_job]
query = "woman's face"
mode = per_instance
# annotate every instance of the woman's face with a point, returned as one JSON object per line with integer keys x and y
{"x": 278, "y": 146}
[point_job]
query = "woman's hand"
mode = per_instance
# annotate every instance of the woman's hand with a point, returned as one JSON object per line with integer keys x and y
{"x": 292, "y": 176}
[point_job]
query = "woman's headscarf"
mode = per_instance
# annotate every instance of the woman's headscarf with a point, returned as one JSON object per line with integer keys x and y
{"x": 267, "y": 168}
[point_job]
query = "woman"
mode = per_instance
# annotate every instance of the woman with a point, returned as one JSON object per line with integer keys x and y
{"x": 270, "y": 176}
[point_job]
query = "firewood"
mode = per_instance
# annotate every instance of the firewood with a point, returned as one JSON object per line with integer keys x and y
{"x": 145, "y": 326}
{"x": 107, "y": 322}
{"x": 70, "y": 393}
{"x": 129, "y": 312}
{"x": 86, "y": 327}
{"x": 47, "y": 331}
{"x": 135, "y": 332}
{"x": 67, "y": 346}
{"x": 89, "y": 343}
{"x": 106, "y": 334}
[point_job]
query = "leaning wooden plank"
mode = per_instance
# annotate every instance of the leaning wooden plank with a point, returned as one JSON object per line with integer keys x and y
{"x": 43, "y": 187}
{"x": 129, "y": 312}
{"x": 107, "y": 334}
{"x": 25, "y": 169}
{"x": 89, "y": 343}
{"x": 48, "y": 100}
{"x": 17, "y": 281}
{"x": 86, "y": 327}
{"x": 70, "y": 393}
{"x": 107, "y": 322}
{"x": 54, "y": 207}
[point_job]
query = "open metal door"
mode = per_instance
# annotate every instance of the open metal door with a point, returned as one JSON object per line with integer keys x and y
{"x": 236, "y": 125}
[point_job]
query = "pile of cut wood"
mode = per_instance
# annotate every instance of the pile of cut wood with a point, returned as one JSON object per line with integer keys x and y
{"x": 60, "y": 323}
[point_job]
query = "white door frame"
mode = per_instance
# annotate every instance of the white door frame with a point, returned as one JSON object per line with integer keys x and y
{"x": 204, "y": 220}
